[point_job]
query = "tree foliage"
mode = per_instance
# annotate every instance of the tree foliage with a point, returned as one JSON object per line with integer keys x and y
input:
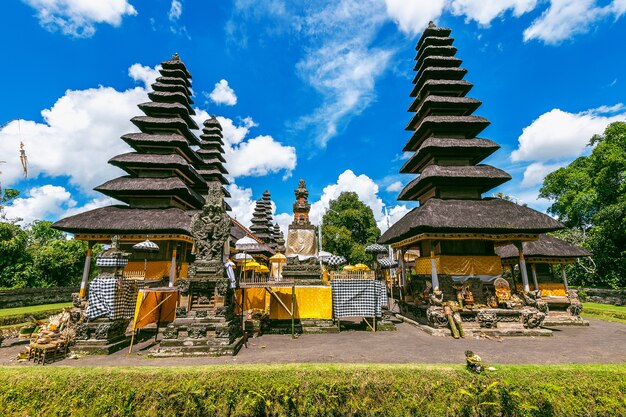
{"x": 348, "y": 227}
{"x": 39, "y": 256}
{"x": 590, "y": 197}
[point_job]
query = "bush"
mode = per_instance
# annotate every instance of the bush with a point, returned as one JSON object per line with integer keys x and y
{"x": 314, "y": 390}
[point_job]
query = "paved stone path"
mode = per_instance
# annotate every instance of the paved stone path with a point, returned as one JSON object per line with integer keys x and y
{"x": 602, "y": 342}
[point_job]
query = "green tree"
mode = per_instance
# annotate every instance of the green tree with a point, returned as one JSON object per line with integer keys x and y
{"x": 39, "y": 256}
{"x": 590, "y": 197}
{"x": 348, "y": 227}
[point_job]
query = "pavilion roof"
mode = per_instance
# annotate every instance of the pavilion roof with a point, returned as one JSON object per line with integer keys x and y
{"x": 154, "y": 109}
{"x": 487, "y": 216}
{"x": 544, "y": 247}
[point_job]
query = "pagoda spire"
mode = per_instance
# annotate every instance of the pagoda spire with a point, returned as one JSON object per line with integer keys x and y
{"x": 211, "y": 153}
{"x": 262, "y": 222}
{"x": 301, "y": 206}
{"x": 446, "y": 151}
{"x": 161, "y": 171}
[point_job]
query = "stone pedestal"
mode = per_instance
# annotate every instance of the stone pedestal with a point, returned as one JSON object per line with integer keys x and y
{"x": 305, "y": 272}
{"x": 101, "y": 337}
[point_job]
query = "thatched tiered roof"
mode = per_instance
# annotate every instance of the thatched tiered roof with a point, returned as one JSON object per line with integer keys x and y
{"x": 262, "y": 220}
{"x": 545, "y": 247}
{"x": 447, "y": 154}
{"x": 211, "y": 153}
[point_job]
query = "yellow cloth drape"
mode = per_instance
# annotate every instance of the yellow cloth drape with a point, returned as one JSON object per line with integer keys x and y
{"x": 460, "y": 265}
{"x": 310, "y": 302}
{"x": 147, "y": 300}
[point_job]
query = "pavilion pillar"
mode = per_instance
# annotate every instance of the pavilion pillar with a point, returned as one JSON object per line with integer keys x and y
{"x": 86, "y": 269}
{"x": 522, "y": 266}
{"x": 564, "y": 277}
{"x": 173, "y": 268}
{"x": 533, "y": 269}
{"x": 433, "y": 270}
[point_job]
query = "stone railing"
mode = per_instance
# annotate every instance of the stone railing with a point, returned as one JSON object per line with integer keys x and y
{"x": 24, "y": 297}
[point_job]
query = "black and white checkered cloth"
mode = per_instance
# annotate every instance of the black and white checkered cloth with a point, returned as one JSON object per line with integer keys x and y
{"x": 112, "y": 298}
{"x": 111, "y": 262}
{"x": 334, "y": 260}
{"x": 358, "y": 298}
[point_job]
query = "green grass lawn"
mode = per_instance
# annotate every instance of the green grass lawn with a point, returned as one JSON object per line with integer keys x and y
{"x": 32, "y": 309}
{"x": 607, "y": 312}
{"x": 314, "y": 390}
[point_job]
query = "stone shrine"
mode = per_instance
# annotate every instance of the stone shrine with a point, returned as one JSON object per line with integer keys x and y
{"x": 206, "y": 323}
{"x": 301, "y": 250}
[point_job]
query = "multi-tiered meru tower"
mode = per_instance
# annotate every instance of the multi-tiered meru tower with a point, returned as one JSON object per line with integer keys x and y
{"x": 455, "y": 228}
{"x": 262, "y": 220}
{"x": 166, "y": 180}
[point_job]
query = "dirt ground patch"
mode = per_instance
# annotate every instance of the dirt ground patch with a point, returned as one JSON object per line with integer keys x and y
{"x": 601, "y": 342}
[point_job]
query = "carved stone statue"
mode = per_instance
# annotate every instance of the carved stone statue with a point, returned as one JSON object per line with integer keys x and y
{"x": 211, "y": 227}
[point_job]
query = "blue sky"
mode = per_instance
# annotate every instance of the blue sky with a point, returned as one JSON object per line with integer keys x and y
{"x": 313, "y": 90}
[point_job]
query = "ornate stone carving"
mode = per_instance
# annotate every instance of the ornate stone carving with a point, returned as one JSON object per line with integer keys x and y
{"x": 102, "y": 331}
{"x": 575, "y": 309}
{"x": 197, "y": 332}
{"x": 181, "y": 312}
{"x": 170, "y": 332}
{"x": 211, "y": 227}
{"x": 75, "y": 316}
{"x": 183, "y": 286}
{"x": 532, "y": 319}
{"x": 436, "y": 317}
{"x": 201, "y": 313}
{"x": 82, "y": 331}
{"x": 487, "y": 319}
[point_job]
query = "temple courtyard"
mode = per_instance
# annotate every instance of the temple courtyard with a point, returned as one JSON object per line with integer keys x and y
{"x": 600, "y": 343}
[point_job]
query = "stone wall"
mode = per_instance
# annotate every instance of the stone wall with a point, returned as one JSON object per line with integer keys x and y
{"x": 602, "y": 296}
{"x": 35, "y": 296}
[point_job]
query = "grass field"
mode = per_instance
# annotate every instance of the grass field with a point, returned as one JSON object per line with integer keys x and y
{"x": 314, "y": 390}
{"x": 11, "y": 317}
{"x": 605, "y": 312}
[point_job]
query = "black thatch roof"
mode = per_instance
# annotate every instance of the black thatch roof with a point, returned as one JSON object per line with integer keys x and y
{"x": 209, "y": 139}
{"x": 159, "y": 125}
{"x": 434, "y": 50}
{"x": 438, "y": 73}
{"x": 434, "y": 41}
{"x": 432, "y": 31}
{"x": 476, "y": 149}
{"x": 175, "y": 73}
{"x": 129, "y": 162}
{"x": 544, "y": 247}
{"x": 213, "y": 173}
{"x": 127, "y": 220}
{"x": 457, "y": 106}
{"x": 467, "y": 126}
{"x": 489, "y": 216}
{"x": 123, "y": 188}
{"x": 175, "y": 81}
{"x": 483, "y": 177}
{"x": 211, "y": 153}
{"x": 171, "y": 97}
{"x": 438, "y": 61}
{"x": 154, "y": 109}
{"x": 176, "y": 64}
{"x": 446, "y": 87}
{"x": 145, "y": 142}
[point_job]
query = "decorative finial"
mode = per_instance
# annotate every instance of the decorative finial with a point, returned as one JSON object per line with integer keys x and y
{"x": 175, "y": 57}
{"x": 431, "y": 25}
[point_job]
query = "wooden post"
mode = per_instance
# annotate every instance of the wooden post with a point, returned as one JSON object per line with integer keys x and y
{"x": 522, "y": 266}
{"x": 401, "y": 278}
{"x": 533, "y": 269}
{"x": 173, "y": 268}
{"x": 83, "y": 284}
{"x": 564, "y": 277}
{"x": 433, "y": 268}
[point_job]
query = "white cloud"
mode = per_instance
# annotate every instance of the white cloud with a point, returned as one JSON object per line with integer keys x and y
{"x": 484, "y": 12}
{"x": 223, "y": 94}
{"x": 40, "y": 203}
{"x": 413, "y": 16}
{"x": 256, "y": 156}
{"x": 77, "y": 18}
{"x": 144, "y": 74}
{"x": 559, "y": 135}
{"x": 260, "y": 156}
{"x": 241, "y": 203}
{"x": 80, "y": 133}
{"x": 176, "y": 10}
{"x": 395, "y": 186}
{"x": 565, "y": 18}
{"x": 536, "y": 172}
